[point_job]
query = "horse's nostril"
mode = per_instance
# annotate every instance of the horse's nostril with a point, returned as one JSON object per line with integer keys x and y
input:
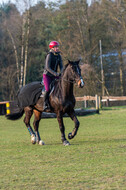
{"x": 79, "y": 82}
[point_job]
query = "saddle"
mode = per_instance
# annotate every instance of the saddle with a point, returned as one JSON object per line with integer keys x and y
{"x": 52, "y": 85}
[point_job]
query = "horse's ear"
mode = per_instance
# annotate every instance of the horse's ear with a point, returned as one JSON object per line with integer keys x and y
{"x": 78, "y": 61}
{"x": 70, "y": 62}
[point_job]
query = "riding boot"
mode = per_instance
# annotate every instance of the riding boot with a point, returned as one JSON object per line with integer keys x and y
{"x": 46, "y": 105}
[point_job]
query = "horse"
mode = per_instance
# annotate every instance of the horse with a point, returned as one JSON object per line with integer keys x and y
{"x": 62, "y": 100}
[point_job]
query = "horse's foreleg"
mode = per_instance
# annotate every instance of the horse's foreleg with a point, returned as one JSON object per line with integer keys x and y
{"x": 74, "y": 118}
{"x": 28, "y": 114}
{"x": 37, "y": 119}
{"x": 62, "y": 129}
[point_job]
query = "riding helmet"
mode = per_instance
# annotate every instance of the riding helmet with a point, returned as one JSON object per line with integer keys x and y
{"x": 53, "y": 44}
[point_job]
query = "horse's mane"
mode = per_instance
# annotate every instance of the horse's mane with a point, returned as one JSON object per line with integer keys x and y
{"x": 58, "y": 81}
{"x": 62, "y": 73}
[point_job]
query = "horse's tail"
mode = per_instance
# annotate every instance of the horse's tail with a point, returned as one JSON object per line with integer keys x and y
{"x": 16, "y": 115}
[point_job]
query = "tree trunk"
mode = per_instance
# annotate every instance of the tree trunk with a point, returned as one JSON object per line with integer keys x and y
{"x": 22, "y": 53}
{"x": 15, "y": 52}
{"x": 121, "y": 72}
{"x": 26, "y": 48}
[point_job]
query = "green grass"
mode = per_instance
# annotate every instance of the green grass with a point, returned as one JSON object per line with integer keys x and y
{"x": 96, "y": 158}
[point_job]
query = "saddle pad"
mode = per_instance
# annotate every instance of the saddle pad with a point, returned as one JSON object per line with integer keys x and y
{"x": 29, "y": 94}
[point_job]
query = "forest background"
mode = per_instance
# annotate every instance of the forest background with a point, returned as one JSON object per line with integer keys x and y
{"x": 95, "y": 34}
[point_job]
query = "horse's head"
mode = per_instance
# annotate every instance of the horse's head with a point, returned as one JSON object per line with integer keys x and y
{"x": 75, "y": 73}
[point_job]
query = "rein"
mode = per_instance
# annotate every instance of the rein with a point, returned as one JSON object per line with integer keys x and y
{"x": 69, "y": 81}
{"x": 66, "y": 80}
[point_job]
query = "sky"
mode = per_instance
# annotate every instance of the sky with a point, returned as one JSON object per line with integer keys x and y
{"x": 35, "y": 1}
{"x": 21, "y": 6}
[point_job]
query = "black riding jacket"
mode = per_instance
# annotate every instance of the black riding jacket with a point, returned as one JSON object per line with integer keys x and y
{"x": 53, "y": 60}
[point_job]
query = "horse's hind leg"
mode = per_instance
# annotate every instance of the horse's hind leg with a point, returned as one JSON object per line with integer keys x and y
{"x": 37, "y": 119}
{"x": 28, "y": 114}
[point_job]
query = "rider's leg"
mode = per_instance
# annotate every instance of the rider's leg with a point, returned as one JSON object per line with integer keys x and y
{"x": 47, "y": 80}
{"x": 46, "y": 100}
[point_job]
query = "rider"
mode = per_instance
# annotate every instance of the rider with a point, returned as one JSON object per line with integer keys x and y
{"x": 53, "y": 60}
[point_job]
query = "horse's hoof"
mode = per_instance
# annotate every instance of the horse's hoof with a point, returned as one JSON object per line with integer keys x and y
{"x": 70, "y": 136}
{"x": 66, "y": 143}
{"x": 33, "y": 139}
{"x": 41, "y": 142}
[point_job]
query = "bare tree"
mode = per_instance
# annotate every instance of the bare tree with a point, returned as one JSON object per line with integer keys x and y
{"x": 25, "y": 37}
{"x": 10, "y": 24}
{"x": 22, "y": 53}
{"x": 118, "y": 25}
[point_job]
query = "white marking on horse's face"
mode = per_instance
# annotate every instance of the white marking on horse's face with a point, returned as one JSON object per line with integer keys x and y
{"x": 78, "y": 71}
{"x": 82, "y": 83}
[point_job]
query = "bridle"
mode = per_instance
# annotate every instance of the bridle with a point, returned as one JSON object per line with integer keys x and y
{"x": 80, "y": 81}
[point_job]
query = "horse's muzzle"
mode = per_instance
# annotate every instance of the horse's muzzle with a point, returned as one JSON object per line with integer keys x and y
{"x": 81, "y": 83}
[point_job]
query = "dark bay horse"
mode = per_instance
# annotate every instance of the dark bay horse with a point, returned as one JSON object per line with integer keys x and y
{"x": 62, "y": 101}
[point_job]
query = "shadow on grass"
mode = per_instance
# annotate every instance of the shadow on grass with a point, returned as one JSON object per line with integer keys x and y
{"x": 113, "y": 108}
{"x": 99, "y": 141}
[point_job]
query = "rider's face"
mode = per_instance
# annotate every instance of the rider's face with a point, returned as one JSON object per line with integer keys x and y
{"x": 56, "y": 49}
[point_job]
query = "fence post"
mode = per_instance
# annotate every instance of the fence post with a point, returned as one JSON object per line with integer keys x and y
{"x": 7, "y": 108}
{"x": 100, "y": 103}
{"x": 97, "y": 101}
{"x": 108, "y": 102}
{"x": 85, "y": 103}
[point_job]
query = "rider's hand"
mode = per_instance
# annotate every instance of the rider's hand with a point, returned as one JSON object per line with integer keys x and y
{"x": 57, "y": 74}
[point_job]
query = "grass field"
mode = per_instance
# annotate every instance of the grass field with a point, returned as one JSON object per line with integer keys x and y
{"x": 96, "y": 158}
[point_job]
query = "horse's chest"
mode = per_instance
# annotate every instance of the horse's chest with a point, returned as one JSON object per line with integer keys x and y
{"x": 62, "y": 104}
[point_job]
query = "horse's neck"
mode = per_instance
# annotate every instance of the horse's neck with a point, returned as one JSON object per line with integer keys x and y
{"x": 67, "y": 87}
